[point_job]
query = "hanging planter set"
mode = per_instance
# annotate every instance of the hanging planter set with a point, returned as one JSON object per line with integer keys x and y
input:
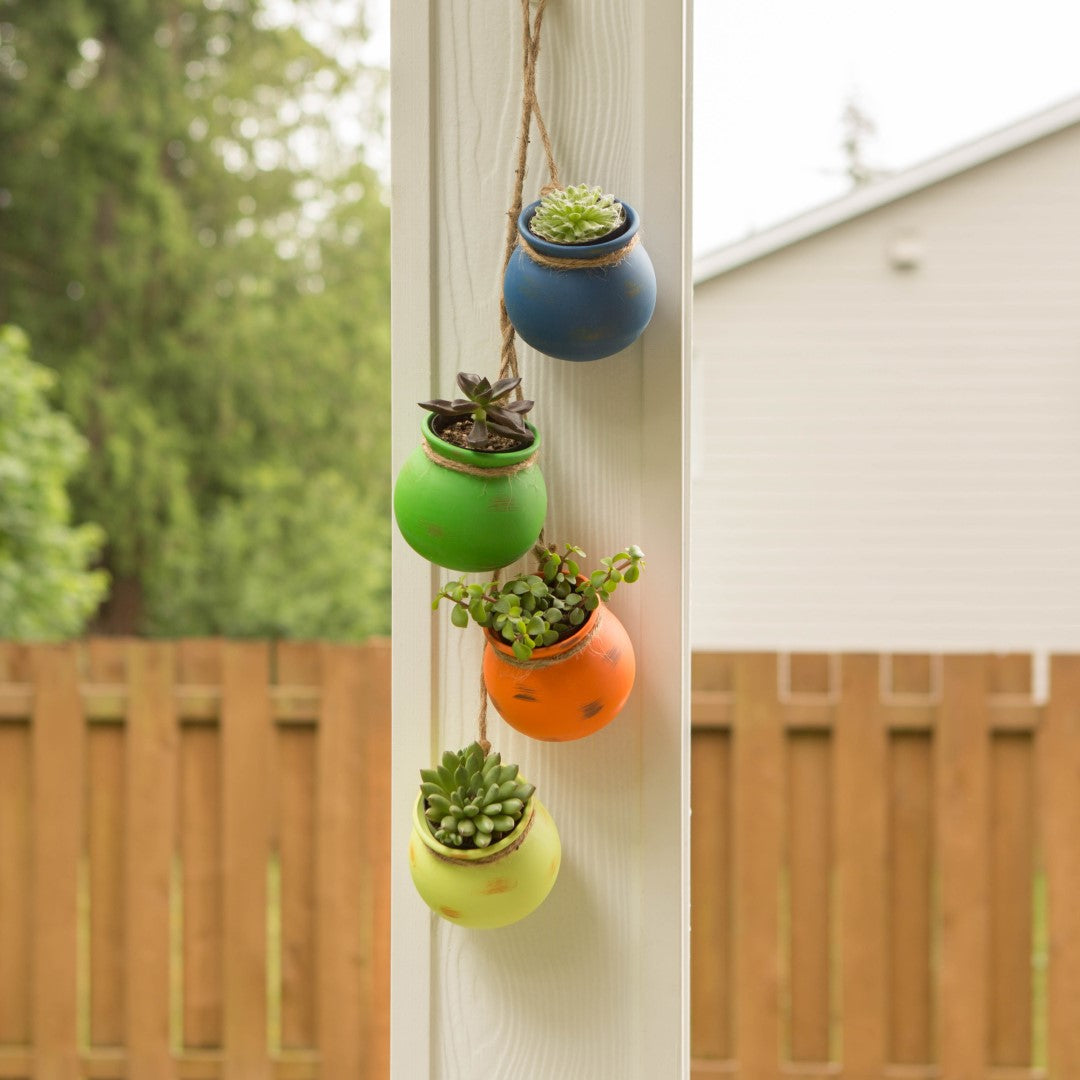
{"x": 557, "y": 664}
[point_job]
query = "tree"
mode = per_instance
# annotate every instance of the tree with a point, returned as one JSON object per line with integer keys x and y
{"x": 859, "y": 128}
{"x": 204, "y": 261}
{"x": 284, "y": 561}
{"x": 46, "y": 588}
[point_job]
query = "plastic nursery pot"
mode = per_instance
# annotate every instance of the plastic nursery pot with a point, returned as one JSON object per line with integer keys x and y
{"x": 465, "y": 521}
{"x": 487, "y": 887}
{"x": 567, "y": 690}
{"x": 580, "y": 313}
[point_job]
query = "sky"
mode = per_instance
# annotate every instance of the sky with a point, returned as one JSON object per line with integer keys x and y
{"x": 772, "y": 77}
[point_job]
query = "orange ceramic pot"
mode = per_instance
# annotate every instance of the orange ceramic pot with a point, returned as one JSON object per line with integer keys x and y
{"x": 567, "y": 690}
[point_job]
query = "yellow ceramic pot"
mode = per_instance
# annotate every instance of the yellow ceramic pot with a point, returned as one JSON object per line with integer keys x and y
{"x": 487, "y": 887}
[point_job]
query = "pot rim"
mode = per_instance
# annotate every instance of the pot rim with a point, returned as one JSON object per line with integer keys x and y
{"x": 544, "y": 652}
{"x": 486, "y": 459}
{"x": 470, "y": 855}
{"x": 579, "y": 251}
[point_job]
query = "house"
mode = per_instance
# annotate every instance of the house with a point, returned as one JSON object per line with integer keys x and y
{"x": 886, "y": 412}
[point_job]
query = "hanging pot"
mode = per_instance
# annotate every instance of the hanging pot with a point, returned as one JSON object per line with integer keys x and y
{"x": 474, "y": 520}
{"x": 578, "y": 311}
{"x": 487, "y": 887}
{"x": 567, "y": 690}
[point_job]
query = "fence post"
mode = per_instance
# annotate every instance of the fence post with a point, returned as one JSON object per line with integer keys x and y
{"x": 594, "y": 983}
{"x": 152, "y": 742}
{"x": 246, "y": 728}
{"x": 1059, "y": 773}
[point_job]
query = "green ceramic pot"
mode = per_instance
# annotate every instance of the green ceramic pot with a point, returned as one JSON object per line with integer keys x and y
{"x": 465, "y": 522}
{"x": 487, "y": 887}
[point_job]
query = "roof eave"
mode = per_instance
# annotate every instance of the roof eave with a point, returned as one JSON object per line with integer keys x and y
{"x": 888, "y": 190}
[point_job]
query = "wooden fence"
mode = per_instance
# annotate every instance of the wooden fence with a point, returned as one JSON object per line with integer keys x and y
{"x": 194, "y": 861}
{"x": 194, "y": 864}
{"x": 886, "y": 867}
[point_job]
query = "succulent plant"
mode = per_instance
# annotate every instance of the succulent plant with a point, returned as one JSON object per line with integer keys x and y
{"x": 489, "y": 406}
{"x": 576, "y": 215}
{"x": 533, "y": 610}
{"x": 473, "y": 801}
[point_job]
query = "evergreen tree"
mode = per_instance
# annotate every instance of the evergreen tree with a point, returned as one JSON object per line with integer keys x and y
{"x": 205, "y": 264}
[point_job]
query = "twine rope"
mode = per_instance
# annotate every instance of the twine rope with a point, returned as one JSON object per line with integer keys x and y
{"x": 508, "y": 361}
{"x": 530, "y": 110}
{"x": 555, "y": 262}
{"x": 481, "y": 718}
{"x": 473, "y": 470}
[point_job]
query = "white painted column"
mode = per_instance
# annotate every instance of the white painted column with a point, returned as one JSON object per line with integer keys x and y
{"x": 593, "y": 986}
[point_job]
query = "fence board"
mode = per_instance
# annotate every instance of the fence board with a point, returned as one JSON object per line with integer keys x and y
{"x": 297, "y": 665}
{"x": 710, "y": 898}
{"x": 151, "y": 795}
{"x": 178, "y": 741}
{"x": 1060, "y": 781}
{"x": 15, "y": 895}
{"x": 959, "y": 779}
{"x": 860, "y": 752}
{"x": 199, "y": 663}
{"x": 1010, "y": 674}
{"x": 246, "y": 721}
{"x": 58, "y": 746}
{"x": 809, "y": 832}
{"x": 911, "y": 852}
{"x": 105, "y": 814}
{"x": 1012, "y": 864}
{"x": 296, "y": 750}
{"x": 107, "y": 663}
{"x": 913, "y": 676}
{"x": 962, "y": 814}
{"x": 933, "y": 834}
{"x": 341, "y": 874}
{"x": 758, "y": 786}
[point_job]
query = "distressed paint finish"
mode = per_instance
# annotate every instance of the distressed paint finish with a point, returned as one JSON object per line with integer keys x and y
{"x": 568, "y": 690}
{"x": 488, "y": 889}
{"x": 606, "y": 952}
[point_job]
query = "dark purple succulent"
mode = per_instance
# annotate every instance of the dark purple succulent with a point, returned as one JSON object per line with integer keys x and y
{"x": 488, "y": 405}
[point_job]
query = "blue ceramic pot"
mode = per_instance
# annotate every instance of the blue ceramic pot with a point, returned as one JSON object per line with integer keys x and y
{"x": 580, "y": 314}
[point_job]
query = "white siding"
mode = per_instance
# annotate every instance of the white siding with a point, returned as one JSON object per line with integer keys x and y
{"x": 594, "y": 984}
{"x": 889, "y": 459}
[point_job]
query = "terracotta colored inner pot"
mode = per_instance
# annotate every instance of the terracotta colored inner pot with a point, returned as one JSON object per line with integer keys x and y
{"x": 567, "y": 690}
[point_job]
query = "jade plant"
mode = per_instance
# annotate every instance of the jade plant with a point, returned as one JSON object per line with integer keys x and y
{"x": 472, "y": 800}
{"x": 576, "y": 215}
{"x": 531, "y": 611}
{"x": 485, "y": 412}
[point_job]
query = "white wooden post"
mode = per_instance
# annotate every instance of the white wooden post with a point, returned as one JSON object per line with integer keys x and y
{"x": 593, "y": 986}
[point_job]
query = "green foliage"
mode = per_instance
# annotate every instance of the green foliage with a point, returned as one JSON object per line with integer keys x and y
{"x": 203, "y": 259}
{"x": 576, "y": 215}
{"x": 46, "y": 588}
{"x": 472, "y": 801}
{"x": 488, "y": 405}
{"x": 293, "y": 555}
{"x": 530, "y": 611}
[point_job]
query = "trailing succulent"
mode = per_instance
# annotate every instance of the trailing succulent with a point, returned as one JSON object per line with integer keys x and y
{"x": 473, "y": 801}
{"x": 576, "y": 215}
{"x": 488, "y": 405}
{"x": 534, "y": 610}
